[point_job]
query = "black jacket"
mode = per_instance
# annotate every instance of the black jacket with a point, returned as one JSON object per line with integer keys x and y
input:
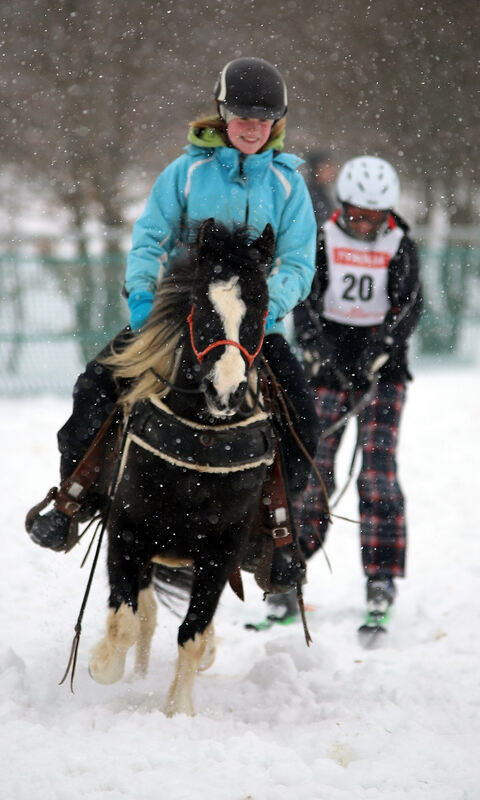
{"x": 322, "y": 204}
{"x": 350, "y": 345}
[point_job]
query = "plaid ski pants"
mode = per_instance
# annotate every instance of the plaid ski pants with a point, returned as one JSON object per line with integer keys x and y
{"x": 382, "y": 504}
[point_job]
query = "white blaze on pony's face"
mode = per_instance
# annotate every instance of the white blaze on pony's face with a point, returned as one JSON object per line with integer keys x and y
{"x": 229, "y": 372}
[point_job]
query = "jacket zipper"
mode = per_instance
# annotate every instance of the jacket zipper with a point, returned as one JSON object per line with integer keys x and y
{"x": 243, "y": 178}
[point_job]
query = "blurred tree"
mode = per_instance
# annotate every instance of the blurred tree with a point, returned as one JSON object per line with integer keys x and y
{"x": 96, "y": 95}
{"x": 96, "y": 91}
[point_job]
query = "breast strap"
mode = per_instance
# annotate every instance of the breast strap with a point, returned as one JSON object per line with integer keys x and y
{"x": 207, "y": 448}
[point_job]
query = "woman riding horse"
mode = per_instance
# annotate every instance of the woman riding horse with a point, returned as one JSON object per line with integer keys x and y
{"x": 233, "y": 170}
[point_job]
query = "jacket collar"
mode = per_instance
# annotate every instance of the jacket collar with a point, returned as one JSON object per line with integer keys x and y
{"x": 232, "y": 159}
{"x": 210, "y": 137}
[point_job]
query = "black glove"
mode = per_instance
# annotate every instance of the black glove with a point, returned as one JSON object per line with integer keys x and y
{"x": 316, "y": 357}
{"x": 370, "y": 361}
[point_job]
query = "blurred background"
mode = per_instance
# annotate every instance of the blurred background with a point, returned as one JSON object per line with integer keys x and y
{"x": 96, "y": 97}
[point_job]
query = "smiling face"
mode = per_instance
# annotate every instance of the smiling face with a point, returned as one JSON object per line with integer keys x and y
{"x": 249, "y": 135}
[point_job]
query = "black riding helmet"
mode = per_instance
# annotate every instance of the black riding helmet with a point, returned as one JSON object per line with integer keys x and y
{"x": 251, "y": 88}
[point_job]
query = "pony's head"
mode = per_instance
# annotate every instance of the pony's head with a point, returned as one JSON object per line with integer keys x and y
{"x": 207, "y": 324}
{"x": 229, "y": 302}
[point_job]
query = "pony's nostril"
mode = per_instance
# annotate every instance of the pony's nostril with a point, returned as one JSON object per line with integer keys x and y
{"x": 208, "y": 387}
{"x": 239, "y": 393}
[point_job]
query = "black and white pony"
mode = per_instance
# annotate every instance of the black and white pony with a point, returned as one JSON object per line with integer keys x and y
{"x": 196, "y": 450}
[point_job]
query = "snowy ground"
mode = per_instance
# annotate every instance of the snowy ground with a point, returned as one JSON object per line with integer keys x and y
{"x": 276, "y": 720}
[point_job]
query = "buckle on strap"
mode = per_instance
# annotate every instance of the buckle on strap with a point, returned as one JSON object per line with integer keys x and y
{"x": 280, "y": 533}
{"x": 71, "y": 507}
{"x": 71, "y": 497}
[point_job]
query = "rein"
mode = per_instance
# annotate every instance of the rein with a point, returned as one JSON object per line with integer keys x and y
{"x": 283, "y": 398}
{"x": 355, "y": 409}
{"x": 173, "y": 386}
{"x": 200, "y": 354}
{"x": 72, "y": 661}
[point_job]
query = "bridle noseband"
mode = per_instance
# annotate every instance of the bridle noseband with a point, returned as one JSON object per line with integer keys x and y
{"x": 249, "y": 357}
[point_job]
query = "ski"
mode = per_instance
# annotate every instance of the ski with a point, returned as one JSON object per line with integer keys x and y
{"x": 270, "y": 621}
{"x": 374, "y": 628}
{"x": 275, "y": 619}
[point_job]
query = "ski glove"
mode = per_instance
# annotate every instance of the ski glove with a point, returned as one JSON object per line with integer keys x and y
{"x": 317, "y": 357}
{"x": 370, "y": 361}
{"x": 140, "y": 305}
{"x": 272, "y": 318}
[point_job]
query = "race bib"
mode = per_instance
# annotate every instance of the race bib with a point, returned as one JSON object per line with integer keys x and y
{"x": 358, "y": 276}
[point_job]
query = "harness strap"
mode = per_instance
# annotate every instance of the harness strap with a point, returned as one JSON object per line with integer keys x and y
{"x": 230, "y": 447}
{"x": 72, "y": 493}
{"x": 275, "y": 511}
{"x": 200, "y": 355}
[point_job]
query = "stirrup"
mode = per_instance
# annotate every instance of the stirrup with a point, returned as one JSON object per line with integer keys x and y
{"x": 68, "y": 538}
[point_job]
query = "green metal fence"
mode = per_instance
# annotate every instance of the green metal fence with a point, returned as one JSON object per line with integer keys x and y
{"x": 451, "y": 318}
{"x": 57, "y": 312}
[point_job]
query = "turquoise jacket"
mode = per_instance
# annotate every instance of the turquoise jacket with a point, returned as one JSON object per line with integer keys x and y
{"x": 212, "y": 180}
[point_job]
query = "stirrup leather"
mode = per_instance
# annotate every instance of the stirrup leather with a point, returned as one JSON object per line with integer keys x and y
{"x": 74, "y": 493}
{"x": 276, "y": 528}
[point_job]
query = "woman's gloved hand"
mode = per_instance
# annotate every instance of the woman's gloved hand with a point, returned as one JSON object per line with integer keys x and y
{"x": 271, "y": 319}
{"x": 140, "y": 305}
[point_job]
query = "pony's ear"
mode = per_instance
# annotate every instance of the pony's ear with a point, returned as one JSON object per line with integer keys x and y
{"x": 266, "y": 242}
{"x": 205, "y": 231}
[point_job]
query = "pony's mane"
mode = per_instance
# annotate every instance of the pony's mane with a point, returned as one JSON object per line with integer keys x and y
{"x": 154, "y": 347}
{"x": 229, "y": 245}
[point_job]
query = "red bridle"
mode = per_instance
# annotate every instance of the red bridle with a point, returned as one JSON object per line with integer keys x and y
{"x": 249, "y": 357}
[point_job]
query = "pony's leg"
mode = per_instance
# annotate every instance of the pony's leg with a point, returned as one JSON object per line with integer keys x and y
{"x": 147, "y": 614}
{"x": 196, "y": 644}
{"x": 210, "y": 649}
{"x": 107, "y": 660}
{"x": 179, "y": 699}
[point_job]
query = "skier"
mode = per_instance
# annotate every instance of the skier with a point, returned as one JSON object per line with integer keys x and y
{"x": 353, "y": 330}
{"x": 233, "y": 170}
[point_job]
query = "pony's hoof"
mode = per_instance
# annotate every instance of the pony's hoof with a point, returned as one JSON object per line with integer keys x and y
{"x": 173, "y": 707}
{"x": 106, "y": 667}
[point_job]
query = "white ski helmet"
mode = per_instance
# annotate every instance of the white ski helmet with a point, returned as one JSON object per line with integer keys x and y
{"x": 368, "y": 182}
